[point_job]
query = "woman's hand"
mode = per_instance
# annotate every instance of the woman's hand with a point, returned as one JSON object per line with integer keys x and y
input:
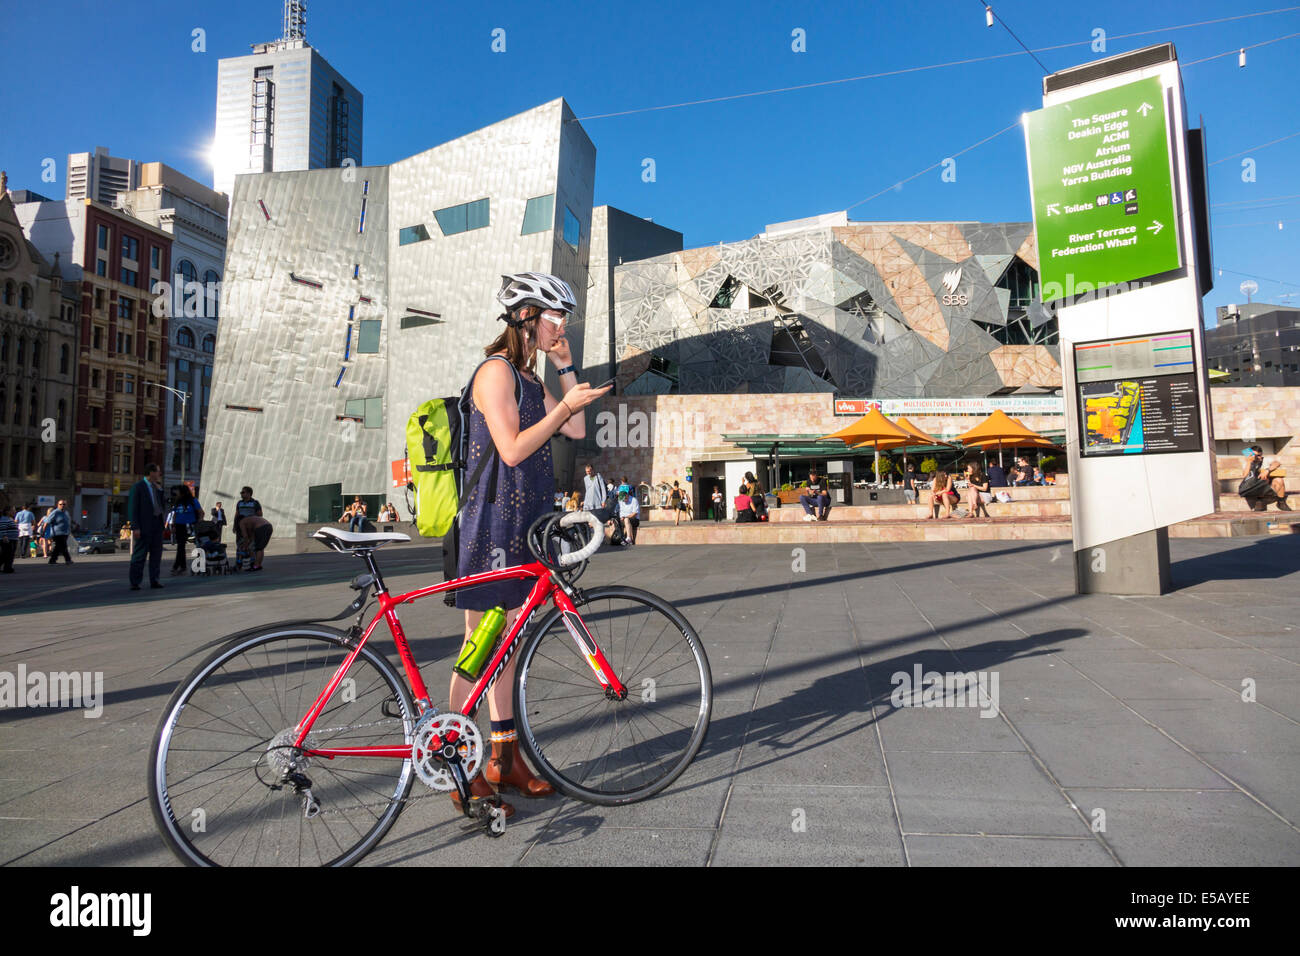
{"x": 559, "y": 353}
{"x": 582, "y": 395}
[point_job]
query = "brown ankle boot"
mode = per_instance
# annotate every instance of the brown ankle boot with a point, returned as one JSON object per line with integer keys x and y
{"x": 478, "y": 787}
{"x": 507, "y": 769}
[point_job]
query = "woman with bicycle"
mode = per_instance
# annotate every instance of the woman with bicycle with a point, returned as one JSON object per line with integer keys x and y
{"x": 537, "y": 307}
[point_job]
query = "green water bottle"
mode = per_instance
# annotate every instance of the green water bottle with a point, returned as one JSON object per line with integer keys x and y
{"x": 476, "y": 650}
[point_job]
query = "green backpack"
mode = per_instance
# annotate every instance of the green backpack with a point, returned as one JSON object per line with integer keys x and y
{"x": 437, "y": 452}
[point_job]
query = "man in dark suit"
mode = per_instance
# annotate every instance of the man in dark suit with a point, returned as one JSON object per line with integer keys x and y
{"x": 146, "y": 511}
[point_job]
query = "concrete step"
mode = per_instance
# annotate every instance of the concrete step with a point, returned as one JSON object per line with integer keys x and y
{"x": 1231, "y": 501}
{"x": 1028, "y": 509}
{"x": 1217, "y": 525}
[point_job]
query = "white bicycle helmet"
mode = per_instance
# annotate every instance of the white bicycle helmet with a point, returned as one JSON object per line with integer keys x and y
{"x": 536, "y": 288}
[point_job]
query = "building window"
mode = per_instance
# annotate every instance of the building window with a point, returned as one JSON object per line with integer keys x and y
{"x": 31, "y": 411}
{"x": 99, "y": 300}
{"x": 572, "y": 228}
{"x": 103, "y": 238}
{"x": 210, "y": 344}
{"x": 4, "y": 347}
{"x": 129, "y": 385}
{"x": 411, "y": 234}
{"x": 368, "y": 336}
{"x": 10, "y": 289}
{"x": 131, "y": 248}
{"x": 94, "y": 378}
{"x": 369, "y": 410}
{"x": 129, "y": 276}
{"x": 155, "y": 257}
{"x": 62, "y": 420}
{"x": 539, "y": 215}
{"x": 212, "y": 288}
{"x": 462, "y": 218}
{"x": 65, "y": 356}
{"x": 101, "y": 267}
{"x": 25, "y": 296}
{"x": 124, "y": 308}
{"x": 22, "y": 349}
{"x": 58, "y": 463}
{"x": 97, "y": 337}
{"x": 152, "y": 352}
{"x": 117, "y": 419}
{"x": 18, "y": 407}
{"x": 184, "y": 338}
{"x": 187, "y": 271}
{"x": 36, "y": 354}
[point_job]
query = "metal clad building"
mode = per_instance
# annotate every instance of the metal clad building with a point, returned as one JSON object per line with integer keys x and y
{"x": 335, "y": 328}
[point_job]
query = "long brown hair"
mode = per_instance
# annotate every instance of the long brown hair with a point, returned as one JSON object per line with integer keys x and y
{"x": 522, "y": 354}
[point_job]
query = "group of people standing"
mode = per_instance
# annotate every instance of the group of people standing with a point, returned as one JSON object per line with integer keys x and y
{"x": 22, "y": 535}
{"x": 148, "y": 513}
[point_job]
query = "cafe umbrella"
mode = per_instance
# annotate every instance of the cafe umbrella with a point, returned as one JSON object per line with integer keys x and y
{"x": 1001, "y": 429}
{"x": 872, "y": 429}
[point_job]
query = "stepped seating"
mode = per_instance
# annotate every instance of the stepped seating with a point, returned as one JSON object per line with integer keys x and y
{"x": 1035, "y": 512}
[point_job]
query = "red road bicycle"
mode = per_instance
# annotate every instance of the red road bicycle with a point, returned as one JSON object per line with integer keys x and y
{"x": 298, "y": 744}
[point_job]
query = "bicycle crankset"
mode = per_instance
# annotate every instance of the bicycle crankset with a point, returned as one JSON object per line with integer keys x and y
{"x": 443, "y": 739}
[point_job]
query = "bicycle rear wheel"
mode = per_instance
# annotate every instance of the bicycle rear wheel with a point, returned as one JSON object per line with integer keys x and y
{"x": 604, "y": 751}
{"x": 217, "y": 768}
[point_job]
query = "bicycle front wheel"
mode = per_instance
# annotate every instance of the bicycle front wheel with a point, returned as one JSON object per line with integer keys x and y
{"x": 226, "y": 784}
{"x": 605, "y": 751}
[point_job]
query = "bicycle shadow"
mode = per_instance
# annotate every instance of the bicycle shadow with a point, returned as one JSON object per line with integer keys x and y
{"x": 814, "y": 716}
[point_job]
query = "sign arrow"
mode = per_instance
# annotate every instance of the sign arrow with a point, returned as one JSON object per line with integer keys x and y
{"x": 1145, "y": 108}
{"x": 1053, "y": 208}
{"x": 1155, "y": 227}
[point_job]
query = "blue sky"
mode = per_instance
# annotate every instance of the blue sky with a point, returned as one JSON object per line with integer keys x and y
{"x": 123, "y": 75}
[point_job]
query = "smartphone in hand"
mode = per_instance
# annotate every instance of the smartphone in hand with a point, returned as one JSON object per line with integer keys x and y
{"x": 604, "y": 384}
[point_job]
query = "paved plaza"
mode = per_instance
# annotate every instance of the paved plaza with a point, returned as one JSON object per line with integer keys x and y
{"x": 1128, "y": 731}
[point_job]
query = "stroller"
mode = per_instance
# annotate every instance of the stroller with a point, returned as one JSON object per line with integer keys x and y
{"x": 214, "y": 553}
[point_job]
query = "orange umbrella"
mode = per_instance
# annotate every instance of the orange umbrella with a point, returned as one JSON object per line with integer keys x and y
{"x": 872, "y": 429}
{"x": 1000, "y": 429}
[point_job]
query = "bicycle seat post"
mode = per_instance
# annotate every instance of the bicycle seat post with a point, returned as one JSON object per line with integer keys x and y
{"x": 369, "y": 557}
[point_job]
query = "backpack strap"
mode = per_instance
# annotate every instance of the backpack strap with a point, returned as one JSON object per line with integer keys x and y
{"x": 490, "y": 457}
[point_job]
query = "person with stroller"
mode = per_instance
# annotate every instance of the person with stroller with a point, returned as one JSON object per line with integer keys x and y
{"x": 184, "y": 515}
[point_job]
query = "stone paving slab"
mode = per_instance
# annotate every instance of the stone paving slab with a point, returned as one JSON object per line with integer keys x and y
{"x": 1131, "y": 704}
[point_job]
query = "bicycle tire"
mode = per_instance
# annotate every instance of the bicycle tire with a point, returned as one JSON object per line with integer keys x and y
{"x": 670, "y": 698}
{"x": 196, "y": 819}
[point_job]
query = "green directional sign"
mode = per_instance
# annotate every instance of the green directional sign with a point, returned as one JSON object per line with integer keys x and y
{"x": 1102, "y": 190}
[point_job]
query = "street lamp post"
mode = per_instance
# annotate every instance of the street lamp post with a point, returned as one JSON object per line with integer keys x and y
{"x": 184, "y": 397}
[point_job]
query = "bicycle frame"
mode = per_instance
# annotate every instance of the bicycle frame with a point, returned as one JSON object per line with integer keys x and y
{"x": 547, "y": 588}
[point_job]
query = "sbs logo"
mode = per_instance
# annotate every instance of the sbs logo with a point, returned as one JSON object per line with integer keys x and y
{"x": 950, "y": 294}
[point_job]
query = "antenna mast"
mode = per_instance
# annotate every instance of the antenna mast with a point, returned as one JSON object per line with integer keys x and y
{"x": 295, "y": 19}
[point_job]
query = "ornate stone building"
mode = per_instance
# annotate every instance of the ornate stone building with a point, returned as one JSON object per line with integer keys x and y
{"x": 38, "y": 346}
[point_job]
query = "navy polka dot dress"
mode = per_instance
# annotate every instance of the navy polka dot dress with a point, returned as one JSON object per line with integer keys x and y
{"x": 524, "y": 494}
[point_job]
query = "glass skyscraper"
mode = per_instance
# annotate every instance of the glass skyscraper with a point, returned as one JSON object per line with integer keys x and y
{"x": 282, "y": 108}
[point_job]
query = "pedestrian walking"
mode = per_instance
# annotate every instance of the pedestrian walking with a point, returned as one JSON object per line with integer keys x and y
{"x": 26, "y": 522}
{"x": 717, "y": 503}
{"x": 60, "y": 526}
{"x": 43, "y": 538}
{"x": 8, "y": 539}
{"x": 145, "y": 514}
